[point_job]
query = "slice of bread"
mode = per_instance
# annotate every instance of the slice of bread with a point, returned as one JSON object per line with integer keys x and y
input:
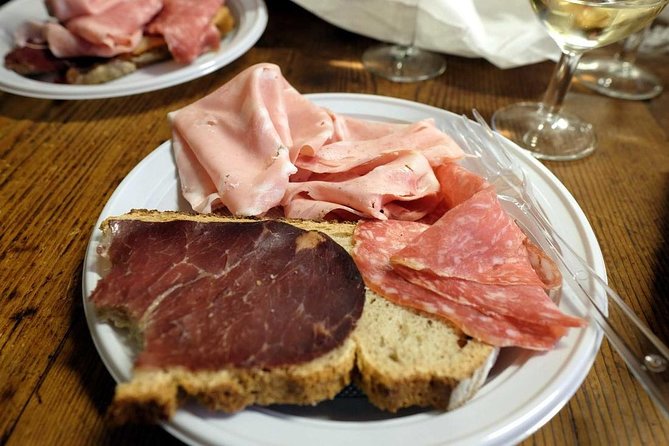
{"x": 397, "y": 356}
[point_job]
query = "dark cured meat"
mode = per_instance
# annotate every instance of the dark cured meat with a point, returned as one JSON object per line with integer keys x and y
{"x": 376, "y": 242}
{"x": 31, "y": 61}
{"x": 212, "y": 295}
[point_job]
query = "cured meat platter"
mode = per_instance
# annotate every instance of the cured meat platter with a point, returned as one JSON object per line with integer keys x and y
{"x": 523, "y": 391}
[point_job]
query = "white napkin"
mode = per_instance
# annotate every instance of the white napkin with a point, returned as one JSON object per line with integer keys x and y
{"x": 506, "y": 33}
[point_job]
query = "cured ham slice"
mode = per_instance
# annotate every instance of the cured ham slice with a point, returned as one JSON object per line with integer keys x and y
{"x": 113, "y": 31}
{"x": 376, "y": 242}
{"x": 476, "y": 241}
{"x": 378, "y": 193}
{"x": 235, "y": 146}
{"x": 64, "y": 10}
{"x": 208, "y": 295}
{"x": 63, "y": 43}
{"x": 119, "y": 25}
{"x": 349, "y": 153}
{"x": 187, "y": 27}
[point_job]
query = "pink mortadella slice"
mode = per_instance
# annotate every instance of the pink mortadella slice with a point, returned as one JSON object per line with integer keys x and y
{"x": 235, "y": 147}
{"x": 378, "y": 193}
{"x": 346, "y": 154}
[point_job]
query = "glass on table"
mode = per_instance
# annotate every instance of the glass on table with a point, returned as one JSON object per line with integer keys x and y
{"x": 619, "y": 76}
{"x": 404, "y": 61}
{"x": 576, "y": 26}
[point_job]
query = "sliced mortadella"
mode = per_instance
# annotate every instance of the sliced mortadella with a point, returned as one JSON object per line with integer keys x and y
{"x": 346, "y": 154}
{"x": 377, "y": 194}
{"x": 235, "y": 146}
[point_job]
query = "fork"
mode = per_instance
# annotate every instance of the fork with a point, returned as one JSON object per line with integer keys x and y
{"x": 645, "y": 354}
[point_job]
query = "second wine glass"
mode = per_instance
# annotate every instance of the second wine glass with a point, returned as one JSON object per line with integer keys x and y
{"x": 576, "y": 26}
{"x": 404, "y": 61}
{"x": 620, "y": 76}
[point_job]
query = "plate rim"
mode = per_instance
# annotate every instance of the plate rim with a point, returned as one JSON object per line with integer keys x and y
{"x": 252, "y": 22}
{"x": 179, "y": 426}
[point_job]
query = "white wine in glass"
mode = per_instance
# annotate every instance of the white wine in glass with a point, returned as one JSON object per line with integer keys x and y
{"x": 576, "y": 26}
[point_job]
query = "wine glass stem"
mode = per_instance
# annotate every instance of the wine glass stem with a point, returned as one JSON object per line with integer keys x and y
{"x": 631, "y": 47}
{"x": 560, "y": 80}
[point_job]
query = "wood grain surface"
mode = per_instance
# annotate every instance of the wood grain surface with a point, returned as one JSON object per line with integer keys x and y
{"x": 61, "y": 160}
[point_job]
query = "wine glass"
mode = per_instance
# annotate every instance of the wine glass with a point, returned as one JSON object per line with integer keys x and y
{"x": 576, "y": 26}
{"x": 403, "y": 61}
{"x": 619, "y": 76}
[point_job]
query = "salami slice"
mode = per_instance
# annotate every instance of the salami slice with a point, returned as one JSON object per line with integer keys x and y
{"x": 475, "y": 241}
{"x": 528, "y": 303}
{"x": 458, "y": 184}
{"x": 376, "y": 242}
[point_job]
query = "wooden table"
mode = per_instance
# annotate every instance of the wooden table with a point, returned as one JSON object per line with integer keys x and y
{"x": 61, "y": 160}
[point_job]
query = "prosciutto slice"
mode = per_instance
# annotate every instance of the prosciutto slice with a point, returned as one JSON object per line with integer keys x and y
{"x": 476, "y": 241}
{"x": 187, "y": 27}
{"x": 376, "y": 242}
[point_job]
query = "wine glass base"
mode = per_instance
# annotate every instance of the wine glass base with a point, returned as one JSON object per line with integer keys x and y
{"x": 618, "y": 79}
{"x": 403, "y": 63}
{"x": 550, "y": 136}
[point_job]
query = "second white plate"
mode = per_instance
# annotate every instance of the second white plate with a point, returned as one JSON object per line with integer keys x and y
{"x": 251, "y": 20}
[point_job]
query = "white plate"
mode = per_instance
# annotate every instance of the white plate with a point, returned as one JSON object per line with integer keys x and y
{"x": 523, "y": 391}
{"x": 251, "y": 20}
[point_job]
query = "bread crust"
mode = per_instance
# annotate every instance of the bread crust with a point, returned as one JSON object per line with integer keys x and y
{"x": 397, "y": 356}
